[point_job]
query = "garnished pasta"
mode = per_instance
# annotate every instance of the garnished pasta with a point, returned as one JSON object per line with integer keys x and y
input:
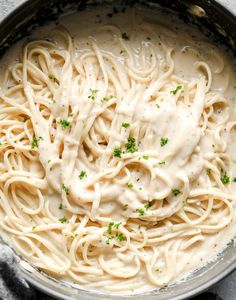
{"x": 115, "y": 169}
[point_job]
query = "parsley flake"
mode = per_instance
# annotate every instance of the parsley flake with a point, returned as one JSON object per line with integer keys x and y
{"x": 120, "y": 237}
{"x": 35, "y": 141}
{"x": 112, "y": 225}
{"x": 117, "y": 152}
{"x": 131, "y": 146}
{"x": 65, "y": 189}
{"x": 147, "y": 205}
{"x": 176, "y": 192}
{"x": 129, "y": 185}
{"x": 224, "y": 178}
{"x": 63, "y": 220}
{"x": 164, "y": 141}
{"x": 126, "y": 206}
{"x": 52, "y": 77}
{"x": 125, "y": 36}
{"x": 82, "y": 175}
{"x": 125, "y": 125}
{"x": 146, "y": 157}
{"x": 174, "y": 92}
{"x": 64, "y": 123}
{"x": 93, "y": 94}
{"x": 140, "y": 211}
{"x": 106, "y": 99}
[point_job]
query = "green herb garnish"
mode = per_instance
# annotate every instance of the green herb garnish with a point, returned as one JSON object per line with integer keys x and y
{"x": 129, "y": 185}
{"x": 65, "y": 189}
{"x": 174, "y": 92}
{"x": 120, "y": 237}
{"x": 131, "y": 146}
{"x": 164, "y": 141}
{"x": 60, "y": 206}
{"x": 140, "y": 211}
{"x": 224, "y": 177}
{"x": 112, "y": 226}
{"x": 158, "y": 106}
{"x": 161, "y": 163}
{"x": 125, "y": 125}
{"x": 82, "y": 175}
{"x": 147, "y": 205}
{"x": 35, "y": 141}
{"x": 93, "y": 94}
{"x": 176, "y": 192}
{"x": 146, "y": 157}
{"x": 106, "y": 99}
{"x": 52, "y": 77}
{"x": 63, "y": 219}
{"x": 125, "y": 36}
{"x": 117, "y": 152}
{"x": 64, "y": 123}
{"x": 126, "y": 206}
{"x": 109, "y": 239}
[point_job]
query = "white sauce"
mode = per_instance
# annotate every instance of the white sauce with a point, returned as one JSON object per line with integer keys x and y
{"x": 64, "y": 195}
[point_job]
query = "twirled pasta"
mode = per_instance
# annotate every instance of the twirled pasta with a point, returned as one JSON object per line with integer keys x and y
{"x": 114, "y": 170}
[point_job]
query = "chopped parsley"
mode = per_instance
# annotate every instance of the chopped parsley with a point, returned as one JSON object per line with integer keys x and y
{"x": 176, "y": 192}
{"x": 33, "y": 228}
{"x": 35, "y": 141}
{"x": 112, "y": 226}
{"x": 82, "y": 175}
{"x": 140, "y": 211}
{"x": 158, "y": 106}
{"x": 120, "y": 237}
{"x": 164, "y": 141}
{"x": 146, "y": 157}
{"x": 74, "y": 236}
{"x": 93, "y": 94}
{"x": 125, "y": 36}
{"x": 109, "y": 239}
{"x": 60, "y": 206}
{"x": 64, "y": 123}
{"x": 126, "y": 206}
{"x": 65, "y": 189}
{"x": 224, "y": 177}
{"x": 125, "y": 125}
{"x": 174, "y": 92}
{"x": 130, "y": 145}
{"x": 129, "y": 185}
{"x": 106, "y": 99}
{"x": 234, "y": 179}
{"x": 117, "y": 152}
{"x": 52, "y": 77}
{"x": 162, "y": 162}
{"x": 147, "y": 205}
{"x": 63, "y": 220}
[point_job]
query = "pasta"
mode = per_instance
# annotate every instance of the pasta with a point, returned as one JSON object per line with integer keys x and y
{"x": 116, "y": 171}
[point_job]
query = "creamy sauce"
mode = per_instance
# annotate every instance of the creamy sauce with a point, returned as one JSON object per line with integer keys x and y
{"x": 123, "y": 174}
